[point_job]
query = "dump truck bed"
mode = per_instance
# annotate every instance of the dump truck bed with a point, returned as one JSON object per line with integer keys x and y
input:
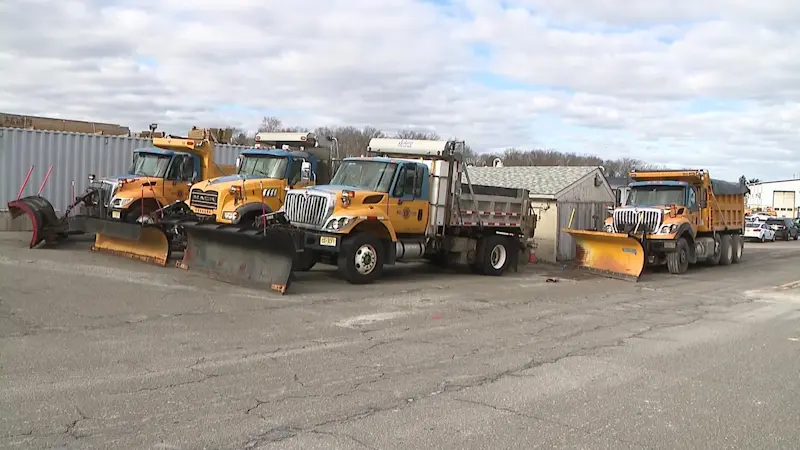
{"x": 726, "y": 205}
{"x": 491, "y": 206}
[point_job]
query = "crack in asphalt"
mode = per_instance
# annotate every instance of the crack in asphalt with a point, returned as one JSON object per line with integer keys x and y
{"x": 285, "y": 432}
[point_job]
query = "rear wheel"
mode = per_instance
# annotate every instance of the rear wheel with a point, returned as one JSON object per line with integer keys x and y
{"x": 726, "y": 250}
{"x": 738, "y": 248}
{"x": 361, "y": 260}
{"x": 678, "y": 261}
{"x": 495, "y": 255}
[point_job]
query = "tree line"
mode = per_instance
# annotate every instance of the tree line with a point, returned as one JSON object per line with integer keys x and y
{"x": 353, "y": 141}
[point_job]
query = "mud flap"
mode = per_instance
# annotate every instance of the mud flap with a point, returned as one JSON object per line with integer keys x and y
{"x": 46, "y": 225}
{"x": 148, "y": 243}
{"x": 240, "y": 255}
{"x": 614, "y": 255}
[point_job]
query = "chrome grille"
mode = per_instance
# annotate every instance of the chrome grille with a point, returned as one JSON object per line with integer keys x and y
{"x": 107, "y": 190}
{"x": 203, "y": 199}
{"x": 306, "y": 208}
{"x": 625, "y": 220}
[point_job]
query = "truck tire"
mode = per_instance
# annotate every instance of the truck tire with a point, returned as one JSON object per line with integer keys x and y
{"x": 678, "y": 261}
{"x": 495, "y": 255}
{"x": 714, "y": 259}
{"x": 725, "y": 250}
{"x": 135, "y": 214}
{"x": 361, "y": 259}
{"x": 738, "y": 248}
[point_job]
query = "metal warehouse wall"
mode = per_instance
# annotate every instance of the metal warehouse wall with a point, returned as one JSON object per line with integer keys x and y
{"x": 74, "y": 155}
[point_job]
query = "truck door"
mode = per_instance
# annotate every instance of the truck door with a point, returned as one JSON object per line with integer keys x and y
{"x": 408, "y": 206}
{"x": 180, "y": 174}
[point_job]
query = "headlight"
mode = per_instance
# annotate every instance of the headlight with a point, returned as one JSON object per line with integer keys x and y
{"x": 230, "y": 215}
{"x": 609, "y": 228}
{"x": 118, "y": 202}
{"x": 339, "y": 223}
{"x": 667, "y": 229}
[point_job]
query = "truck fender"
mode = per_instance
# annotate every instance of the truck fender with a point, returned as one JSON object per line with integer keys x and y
{"x": 685, "y": 231}
{"x": 250, "y": 208}
{"x": 381, "y": 228}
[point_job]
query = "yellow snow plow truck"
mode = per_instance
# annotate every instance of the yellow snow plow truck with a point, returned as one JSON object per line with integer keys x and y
{"x": 408, "y": 200}
{"x": 264, "y": 176}
{"x": 672, "y": 217}
{"x": 119, "y": 209}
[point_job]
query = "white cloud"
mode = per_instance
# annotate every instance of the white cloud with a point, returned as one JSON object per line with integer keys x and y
{"x": 704, "y": 82}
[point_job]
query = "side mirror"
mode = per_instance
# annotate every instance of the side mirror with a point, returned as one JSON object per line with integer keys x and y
{"x": 92, "y": 177}
{"x": 238, "y": 162}
{"x": 703, "y": 198}
{"x": 305, "y": 172}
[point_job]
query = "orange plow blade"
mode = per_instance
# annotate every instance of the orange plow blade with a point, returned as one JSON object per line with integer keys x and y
{"x": 613, "y": 255}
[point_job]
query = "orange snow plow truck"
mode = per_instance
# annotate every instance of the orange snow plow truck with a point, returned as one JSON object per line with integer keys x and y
{"x": 672, "y": 217}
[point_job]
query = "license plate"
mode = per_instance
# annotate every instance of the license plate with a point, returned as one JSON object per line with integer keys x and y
{"x": 115, "y": 214}
{"x": 327, "y": 241}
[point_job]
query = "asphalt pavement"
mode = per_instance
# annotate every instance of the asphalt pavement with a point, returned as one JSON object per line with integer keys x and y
{"x": 97, "y": 351}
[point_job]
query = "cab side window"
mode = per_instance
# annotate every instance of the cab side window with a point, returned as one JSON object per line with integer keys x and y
{"x": 420, "y": 181}
{"x": 295, "y": 171}
{"x": 182, "y": 169}
{"x": 405, "y": 181}
{"x": 692, "y": 203}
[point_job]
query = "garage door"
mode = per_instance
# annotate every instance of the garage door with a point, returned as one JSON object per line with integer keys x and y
{"x": 784, "y": 203}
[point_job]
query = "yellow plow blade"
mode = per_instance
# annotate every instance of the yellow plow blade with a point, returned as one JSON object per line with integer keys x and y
{"x": 148, "y": 243}
{"x": 614, "y": 255}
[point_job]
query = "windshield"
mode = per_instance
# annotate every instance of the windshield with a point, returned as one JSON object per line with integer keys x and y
{"x": 366, "y": 175}
{"x": 264, "y": 166}
{"x": 753, "y": 225}
{"x": 655, "y": 195}
{"x": 150, "y": 164}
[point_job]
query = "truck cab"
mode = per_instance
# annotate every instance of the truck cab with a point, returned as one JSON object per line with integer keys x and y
{"x": 264, "y": 175}
{"x": 407, "y": 203}
{"x": 155, "y": 178}
{"x": 161, "y": 175}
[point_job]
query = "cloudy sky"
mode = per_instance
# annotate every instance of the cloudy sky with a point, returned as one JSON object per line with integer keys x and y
{"x": 688, "y": 83}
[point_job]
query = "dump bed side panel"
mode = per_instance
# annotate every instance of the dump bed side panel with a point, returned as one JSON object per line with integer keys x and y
{"x": 727, "y": 211}
{"x": 492, "y": 206}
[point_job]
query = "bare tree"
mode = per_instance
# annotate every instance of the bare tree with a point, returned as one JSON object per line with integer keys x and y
{"x": 353, "y": 141}
{"x": 275, "y": 125}
{"x": 412, "y": 134}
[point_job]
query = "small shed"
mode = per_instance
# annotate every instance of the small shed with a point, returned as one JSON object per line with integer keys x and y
{"x": 555, "y": 191}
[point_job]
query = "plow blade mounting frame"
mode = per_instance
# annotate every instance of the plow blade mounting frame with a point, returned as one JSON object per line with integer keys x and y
{"x": 257, "y": 258}
{"x": 613, "y": 255}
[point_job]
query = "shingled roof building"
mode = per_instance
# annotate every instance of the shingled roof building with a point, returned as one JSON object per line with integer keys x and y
{"x": 555, "y": 191}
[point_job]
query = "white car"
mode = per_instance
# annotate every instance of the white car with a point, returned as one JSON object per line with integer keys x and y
{"x": 758, "y": 231}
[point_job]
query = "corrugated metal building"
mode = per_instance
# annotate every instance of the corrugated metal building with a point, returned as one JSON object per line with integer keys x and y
{"x": 74, "y": 156}
{"x": 781, "y": 195}
{"x": 555, "y": 191}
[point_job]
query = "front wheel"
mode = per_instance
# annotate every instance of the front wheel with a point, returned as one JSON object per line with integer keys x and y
{"x": 678, "y": 261}
{"x": 361, "y": 259}
{"x": 137, "y": 214}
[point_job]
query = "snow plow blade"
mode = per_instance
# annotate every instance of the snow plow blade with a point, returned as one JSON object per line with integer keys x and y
{"x": 148, "y": 243}
{"x": 46, "y": 225}
{"x": 255, "y": 258}
{"x": 613, "y": 255}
